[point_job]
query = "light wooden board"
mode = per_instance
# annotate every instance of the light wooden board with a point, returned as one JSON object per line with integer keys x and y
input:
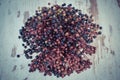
{"x": 106, "y": 61}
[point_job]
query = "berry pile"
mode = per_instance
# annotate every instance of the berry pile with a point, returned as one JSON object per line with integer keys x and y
{"x": 60, "y": 35}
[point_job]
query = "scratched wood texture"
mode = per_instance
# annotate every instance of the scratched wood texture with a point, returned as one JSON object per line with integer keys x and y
{"x": 106, "y": 61}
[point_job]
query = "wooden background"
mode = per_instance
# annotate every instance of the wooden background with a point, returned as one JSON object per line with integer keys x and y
{"x": 106, "y": 61}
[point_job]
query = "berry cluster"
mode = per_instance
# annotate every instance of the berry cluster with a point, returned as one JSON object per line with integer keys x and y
{"x": 60, "y": 35}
